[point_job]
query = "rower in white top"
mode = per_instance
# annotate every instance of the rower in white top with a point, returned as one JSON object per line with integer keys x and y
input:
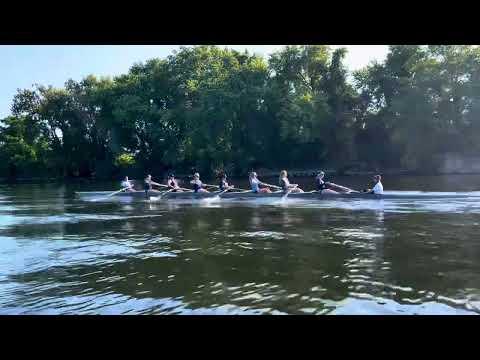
{"x": 378, "y": 188}
{"x": 127, "y": 184}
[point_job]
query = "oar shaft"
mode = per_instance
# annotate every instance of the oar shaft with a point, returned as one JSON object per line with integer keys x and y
{"x": 221, "y": 192}
{"x": 288, "y": 192}
{"x": 165, "y": 193}
{"x": 341, "y": 187}
{"x": 229, "y": 188}
{"x": 116, "y": 192}
{"x": 272, "y": 186}
{"x": 167, "y": 186}
{"x": 209, "y": 185}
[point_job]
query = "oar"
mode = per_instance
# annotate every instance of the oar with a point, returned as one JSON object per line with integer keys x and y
{"x": 238, "y": 189}
{"x": 284, "y": 197}
{"x": 116, "y": 192}
{"x": 221, "y": 192}
{"x": 184, "y": 189}
{"x": 343, "y": 187}
{"x": 214, "y": 186}
{"x": 166, "y": 186}
{"x": 288, "y": 192}
{"x": 230, "y": 188}
{"x": 272, "y": 186}
{"x": 165, "y": 192}
{"x": 187, "y": 190}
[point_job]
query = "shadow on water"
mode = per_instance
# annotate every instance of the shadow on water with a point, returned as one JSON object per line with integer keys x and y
{"x": 59, "y": 255}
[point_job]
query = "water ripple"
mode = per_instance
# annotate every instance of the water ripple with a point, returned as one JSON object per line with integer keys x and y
{"x": 62, "y": 256}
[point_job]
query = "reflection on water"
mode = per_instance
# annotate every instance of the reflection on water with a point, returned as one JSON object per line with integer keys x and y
{"x": 59, "y": 255}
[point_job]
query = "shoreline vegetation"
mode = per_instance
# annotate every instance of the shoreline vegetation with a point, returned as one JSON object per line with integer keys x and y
{"x": 212, "y": 109}
{"x": 264, "y": 174}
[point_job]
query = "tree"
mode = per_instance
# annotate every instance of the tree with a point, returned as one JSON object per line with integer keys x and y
{"x": 18, "y": 152}
{"x": 314, "y": 103}
{"x": 211, "y": 109}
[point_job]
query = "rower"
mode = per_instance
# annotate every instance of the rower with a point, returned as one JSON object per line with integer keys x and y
{"x": 322, "y": 186}
{"x": 327, "y": 187}
{"x": 127, "y": 184}
{"x": 255, "y": 184}
{"x": 285, "y": 184}
{"x": 173, "y": 184}
{"x": 197, "y": 184}
{"x": 147, "y": 185}
{"x": 224, "y": 184}
{"x": 378, "y": 188}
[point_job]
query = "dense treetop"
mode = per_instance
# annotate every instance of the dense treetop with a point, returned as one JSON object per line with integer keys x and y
{"x": 208, "y": 108}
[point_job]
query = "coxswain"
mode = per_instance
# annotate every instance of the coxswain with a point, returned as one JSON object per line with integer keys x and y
{"x": 378, "y": 188}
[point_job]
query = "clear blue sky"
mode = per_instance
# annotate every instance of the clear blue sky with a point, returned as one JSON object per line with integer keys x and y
{"x": 21, "y": 66}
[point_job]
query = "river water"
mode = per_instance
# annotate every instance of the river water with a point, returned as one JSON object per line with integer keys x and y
{"x": 60, "y": 255}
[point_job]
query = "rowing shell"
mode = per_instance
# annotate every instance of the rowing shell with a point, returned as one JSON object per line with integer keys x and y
{"x": 314, "y": 195}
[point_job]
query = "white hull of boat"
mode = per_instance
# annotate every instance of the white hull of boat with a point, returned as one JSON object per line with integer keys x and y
{"x": 314, "y": 195}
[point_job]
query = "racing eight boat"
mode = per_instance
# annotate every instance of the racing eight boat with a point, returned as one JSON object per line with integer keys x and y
{"x": 312, "y": 195}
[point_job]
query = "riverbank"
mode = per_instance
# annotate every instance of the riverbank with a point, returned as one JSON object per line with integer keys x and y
{"x": 263, "y": 173}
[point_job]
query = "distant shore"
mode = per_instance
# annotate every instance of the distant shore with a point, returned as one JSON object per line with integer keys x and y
{"x": 264, "y": 173}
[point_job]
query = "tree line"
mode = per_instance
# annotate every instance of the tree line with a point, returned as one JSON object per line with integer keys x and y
{"x": 208, "y": 109}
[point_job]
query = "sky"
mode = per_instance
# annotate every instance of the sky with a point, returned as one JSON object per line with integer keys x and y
{"x": 21, "y": 66}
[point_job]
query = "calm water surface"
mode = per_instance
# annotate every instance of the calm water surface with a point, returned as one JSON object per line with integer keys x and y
{"x": 59, "y": 255}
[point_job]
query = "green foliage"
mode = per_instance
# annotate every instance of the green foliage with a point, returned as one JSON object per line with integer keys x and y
{"x": 18, "y": 152}
{"x": 209, "y": 108}
{"x": 424, "y": 100}
{"x": 124, "y": 160}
